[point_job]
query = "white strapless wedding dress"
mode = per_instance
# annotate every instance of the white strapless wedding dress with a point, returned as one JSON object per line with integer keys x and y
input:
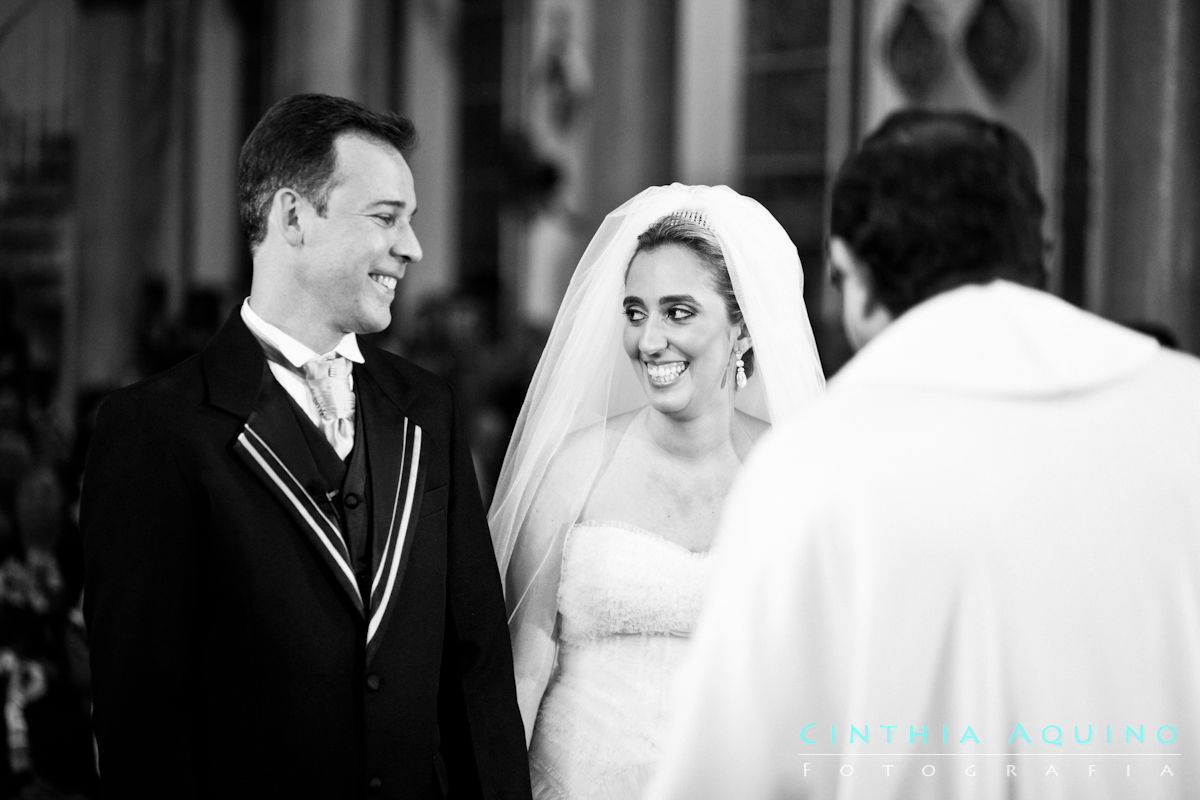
{"x": 628, "y": 599}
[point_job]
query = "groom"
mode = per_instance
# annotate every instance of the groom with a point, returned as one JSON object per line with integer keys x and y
{"x": 291, "y": 590}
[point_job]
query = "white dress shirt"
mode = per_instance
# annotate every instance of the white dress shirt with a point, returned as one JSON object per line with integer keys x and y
{"x": 297, "y": 354}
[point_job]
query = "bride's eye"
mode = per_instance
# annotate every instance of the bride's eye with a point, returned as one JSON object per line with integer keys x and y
{"x": 680, "y": 313}
{"x": 634, "y": 314}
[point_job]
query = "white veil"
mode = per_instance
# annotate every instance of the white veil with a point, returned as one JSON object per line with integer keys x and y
{"x": 584, "y": 378}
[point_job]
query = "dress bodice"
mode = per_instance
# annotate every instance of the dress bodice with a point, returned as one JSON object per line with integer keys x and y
{"x": 618, "y": 579}
{"x": 627, "y": 599}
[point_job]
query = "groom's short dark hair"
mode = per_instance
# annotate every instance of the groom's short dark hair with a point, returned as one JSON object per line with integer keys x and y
{"x": 292, "y": 146}
{"x": 937, "y": 199}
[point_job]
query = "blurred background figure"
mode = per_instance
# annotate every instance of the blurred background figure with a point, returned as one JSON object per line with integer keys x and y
{"x": 44, "y": 681}
{"x": 120, "y": 120}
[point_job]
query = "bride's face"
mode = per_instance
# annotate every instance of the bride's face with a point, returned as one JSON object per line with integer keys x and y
{"x": 678, "y": 333}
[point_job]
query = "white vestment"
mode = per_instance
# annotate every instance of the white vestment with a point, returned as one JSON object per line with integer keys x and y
{"x": 987, "y": 532}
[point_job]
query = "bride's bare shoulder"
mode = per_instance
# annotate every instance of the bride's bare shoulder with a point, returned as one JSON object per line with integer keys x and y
{"x": 753, "y": 426}
{"x": 752, "y": 429}
{"x": 583, "y": 450}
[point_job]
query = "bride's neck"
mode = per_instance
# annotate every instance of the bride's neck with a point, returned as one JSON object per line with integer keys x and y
{"x": 690, "y": 439}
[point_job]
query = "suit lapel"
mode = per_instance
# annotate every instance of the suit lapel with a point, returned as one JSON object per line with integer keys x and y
{"x": 272, "y": 444}
{"x": 397, "y": 462}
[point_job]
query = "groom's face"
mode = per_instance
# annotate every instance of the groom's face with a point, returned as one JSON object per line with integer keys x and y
{"x": 358, "y": 250}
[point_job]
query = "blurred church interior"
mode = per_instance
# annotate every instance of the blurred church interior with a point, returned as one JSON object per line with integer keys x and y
{"x": 121, "y": 120}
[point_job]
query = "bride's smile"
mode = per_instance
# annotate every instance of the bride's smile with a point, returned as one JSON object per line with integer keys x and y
{"x": 678, "y": 332}
{"x": 665, "y": 374}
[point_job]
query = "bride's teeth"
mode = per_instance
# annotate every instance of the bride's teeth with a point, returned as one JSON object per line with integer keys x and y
{"x": 665, "y": 373}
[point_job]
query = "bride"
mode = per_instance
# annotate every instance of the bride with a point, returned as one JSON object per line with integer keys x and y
{"x": 682, "y": 337}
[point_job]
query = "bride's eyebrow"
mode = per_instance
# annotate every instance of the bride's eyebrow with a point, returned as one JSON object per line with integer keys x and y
{"x": 671, "y": 299}
{"x": 665, "y": 300}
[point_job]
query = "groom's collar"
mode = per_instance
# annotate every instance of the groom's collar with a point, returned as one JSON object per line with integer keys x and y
{"x": 293, "y": 350}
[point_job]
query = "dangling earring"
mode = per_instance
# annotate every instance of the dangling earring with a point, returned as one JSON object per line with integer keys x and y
{"x": 741, "y": 370}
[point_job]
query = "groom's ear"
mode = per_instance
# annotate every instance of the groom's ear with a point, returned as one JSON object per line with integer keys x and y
{"x": 286, "y": 216}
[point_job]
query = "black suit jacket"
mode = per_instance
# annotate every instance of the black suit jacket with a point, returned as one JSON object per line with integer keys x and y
{"x": 232, "y": 653}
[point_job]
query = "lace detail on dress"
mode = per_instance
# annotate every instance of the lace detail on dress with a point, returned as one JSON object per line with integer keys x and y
{"x": 619, "y": 579}
{"x": 628, "y": 598}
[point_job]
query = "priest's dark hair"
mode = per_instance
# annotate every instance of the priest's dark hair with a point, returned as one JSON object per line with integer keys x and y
{"x": 933, "y": 200}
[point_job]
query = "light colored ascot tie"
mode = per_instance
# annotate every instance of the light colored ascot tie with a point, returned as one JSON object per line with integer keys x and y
{"x": 328, "y": 379}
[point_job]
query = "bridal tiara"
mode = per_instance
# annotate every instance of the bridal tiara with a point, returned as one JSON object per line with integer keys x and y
{"x": 693, "y": 216}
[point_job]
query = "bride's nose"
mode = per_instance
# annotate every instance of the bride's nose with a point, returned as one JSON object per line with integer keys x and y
{"x": 653, "y": 338}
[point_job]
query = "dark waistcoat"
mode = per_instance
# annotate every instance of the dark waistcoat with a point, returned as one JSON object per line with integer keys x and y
{"x": 343, "y": 492}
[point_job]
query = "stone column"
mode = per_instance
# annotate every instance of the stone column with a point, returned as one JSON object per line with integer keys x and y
{"x": 710, "y": 55}
{"x": 1146, "y": 267}
{"x": 633, "y": 105}
{"x": 109, "y": 272}
{"x": 319, "y": 43}
{"x": 214, "y": 239}
{"x": 430, "y": 88}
